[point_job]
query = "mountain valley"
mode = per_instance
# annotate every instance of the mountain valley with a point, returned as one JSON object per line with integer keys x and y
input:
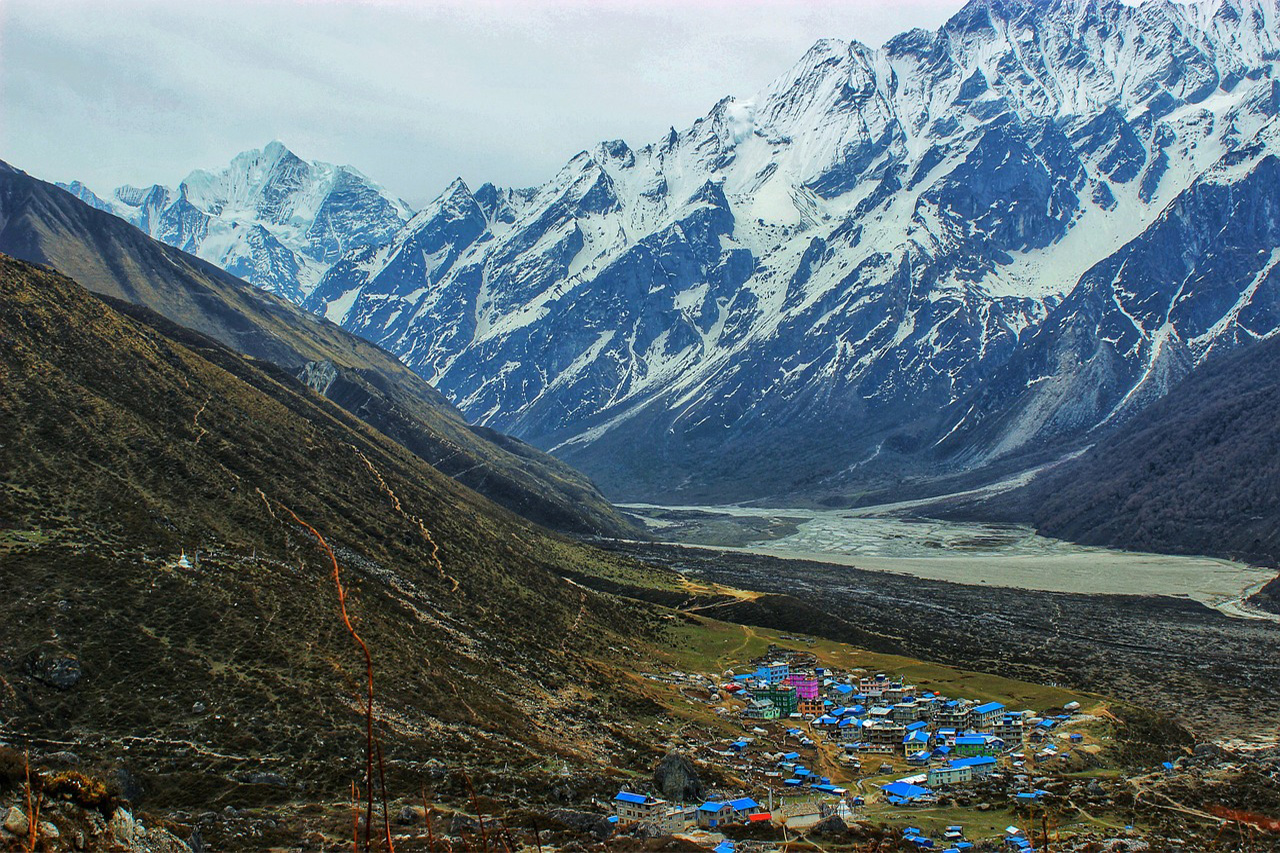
{"x": 883, "y": 461}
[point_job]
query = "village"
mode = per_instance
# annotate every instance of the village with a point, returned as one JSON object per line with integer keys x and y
{"x": 825, "y": 747}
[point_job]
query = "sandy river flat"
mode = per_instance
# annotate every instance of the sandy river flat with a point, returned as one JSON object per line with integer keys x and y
{"x": 995, "y": 555}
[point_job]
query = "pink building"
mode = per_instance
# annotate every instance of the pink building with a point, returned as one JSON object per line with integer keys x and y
{"x": 806, "y": 686}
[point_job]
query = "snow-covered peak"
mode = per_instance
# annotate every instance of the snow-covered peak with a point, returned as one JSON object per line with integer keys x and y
{"x": 269, "y": 215}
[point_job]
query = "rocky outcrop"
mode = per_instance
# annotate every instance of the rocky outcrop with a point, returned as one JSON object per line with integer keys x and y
{"x": 676, "y": 779}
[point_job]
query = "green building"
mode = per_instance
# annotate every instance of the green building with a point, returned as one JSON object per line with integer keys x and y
{"x": 785, "y": 699}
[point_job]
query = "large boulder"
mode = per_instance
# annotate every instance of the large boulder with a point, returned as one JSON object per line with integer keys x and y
{"x": 677, "y": 779}
{"x": 830, "y": 827}
{"x": 596, "y": 825}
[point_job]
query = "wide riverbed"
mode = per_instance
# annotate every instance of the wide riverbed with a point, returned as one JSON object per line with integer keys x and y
{"x": 995, "y": 555}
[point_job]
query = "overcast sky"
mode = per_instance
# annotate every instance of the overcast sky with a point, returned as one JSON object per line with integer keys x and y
{"x": 411, "y": 93}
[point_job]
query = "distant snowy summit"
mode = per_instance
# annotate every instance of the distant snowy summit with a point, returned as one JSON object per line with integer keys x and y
{"x": 967, "y": 247}
{"x": 270, "y": 217}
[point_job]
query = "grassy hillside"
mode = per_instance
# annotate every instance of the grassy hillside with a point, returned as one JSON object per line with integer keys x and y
{"x": 147, "y": 553}
{"x": 43, "y": 224}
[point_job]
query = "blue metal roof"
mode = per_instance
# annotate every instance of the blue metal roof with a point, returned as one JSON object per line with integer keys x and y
{"x": 628, "y": 797}
{"x": 743, "y": 803}
{"x": 710, "y": 807}
{"x": 904, "y": 790}
{"x": 972, "y": 762}
{"x": 988, "y": 708}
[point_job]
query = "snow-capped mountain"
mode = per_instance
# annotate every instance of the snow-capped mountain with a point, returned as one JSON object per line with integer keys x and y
{"x": 965, "y": 246}
{"x": 818, "y": 279}
{"x": 270, "y": 217}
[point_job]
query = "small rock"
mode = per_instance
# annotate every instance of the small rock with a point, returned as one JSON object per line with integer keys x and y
{"x": 123, "y": 826}
{"x": 267, "y": 779}
{"x": 16, "y": 821}
{"x": 48, "y": 830}
{"x": 130, "y": 788}
{"x": 460, "y": 823}
{"x": 60, "y": 671}
{"x": 198, "y": 708}
{"x": 410, "y": 815}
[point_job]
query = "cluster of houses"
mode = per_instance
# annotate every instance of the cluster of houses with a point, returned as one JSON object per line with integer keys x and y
{"x": 952, "y": 836}
{"x": 671, "y": 818}
{"x": 878, "y": 714}
{"x": 948, "y": 742}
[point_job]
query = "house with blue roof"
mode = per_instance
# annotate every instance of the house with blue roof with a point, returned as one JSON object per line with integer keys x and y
{"x": 981, "y": 765}
{"x": 725, "y": 846}
{"x": 961, "y": 770}
{"x": 904, "y": 793}
{"x": 743, "y": 808}
{"x": 712, "y": 814}
{"x": 985, "y": 716}
{"x": 773, "y": 673}
{"x": 828, "y": 788}
{"x": 633, "y": 808}
{"x": 916, "y": 741}
{"x": 978, "y": 745}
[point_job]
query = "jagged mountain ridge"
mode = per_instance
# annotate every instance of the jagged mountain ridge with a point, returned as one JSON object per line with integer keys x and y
{"x": 835, "y": 281}
{"x": 269, "y": 217}
{"x": 861, "y": 245}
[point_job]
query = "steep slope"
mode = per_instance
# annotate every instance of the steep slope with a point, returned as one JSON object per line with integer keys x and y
{"x": 1197, "y": 472}
{"x": 43, "y": 224}
{"x": 1201, "y": 280}
{"x": 163, "y": 610}
{"x": 796, "y": 292}
{"x": 269, "y": 217}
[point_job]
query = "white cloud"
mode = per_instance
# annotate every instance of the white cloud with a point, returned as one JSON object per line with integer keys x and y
{"x": 411, "y": 93}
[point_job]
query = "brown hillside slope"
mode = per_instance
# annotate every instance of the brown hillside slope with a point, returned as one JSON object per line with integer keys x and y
{"x": 122, "y": 449}
{"x": 44, "y": 224}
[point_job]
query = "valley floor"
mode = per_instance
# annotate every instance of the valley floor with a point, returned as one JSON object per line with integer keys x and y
{"x": 1218, "y": 675}
{"x": 998, "y": 555}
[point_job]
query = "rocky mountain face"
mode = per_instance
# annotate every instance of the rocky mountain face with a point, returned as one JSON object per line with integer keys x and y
{"x": 1196, "y": 472}
{"x": 965, "y": 247}
{"x": 270, "y": 217}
